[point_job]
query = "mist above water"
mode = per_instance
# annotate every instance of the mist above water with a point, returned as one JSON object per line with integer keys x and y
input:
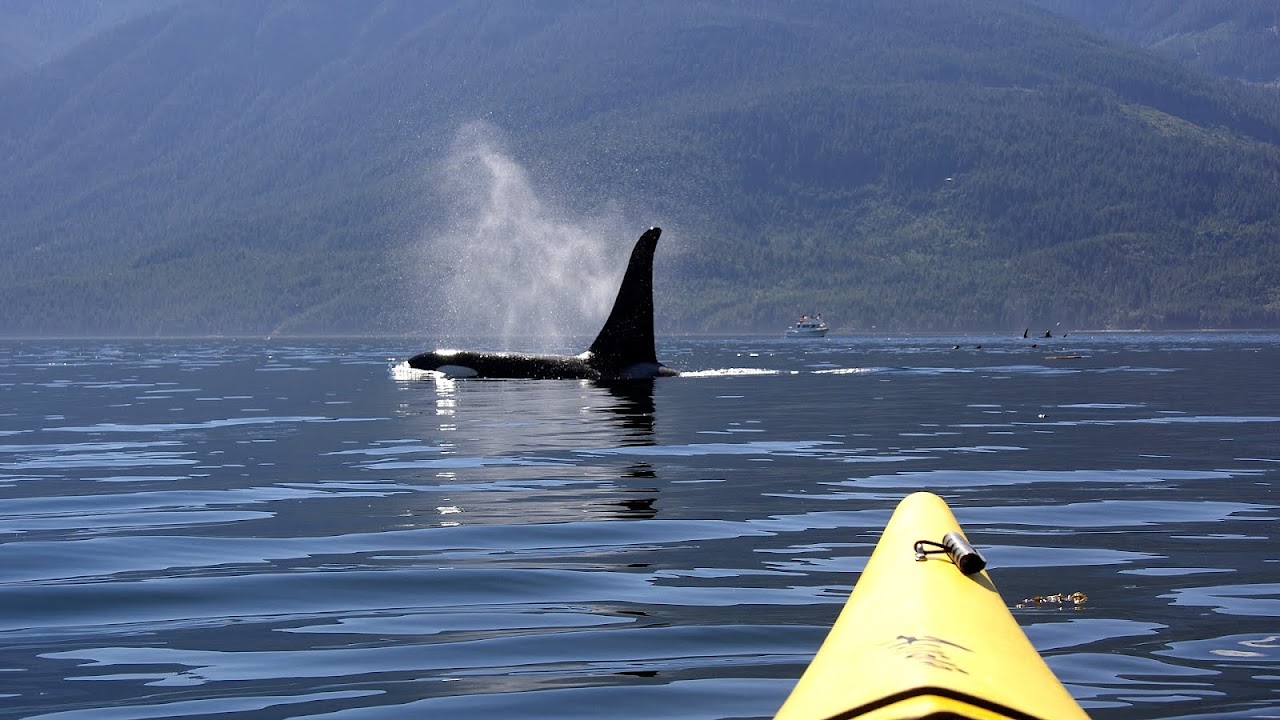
{"x": 515, "y": 269}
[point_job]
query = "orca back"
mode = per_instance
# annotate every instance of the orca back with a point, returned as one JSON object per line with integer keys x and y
{"x": 627, "y": 336}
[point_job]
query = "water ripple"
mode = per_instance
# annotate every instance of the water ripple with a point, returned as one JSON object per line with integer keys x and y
{"x": 188, "y": 528}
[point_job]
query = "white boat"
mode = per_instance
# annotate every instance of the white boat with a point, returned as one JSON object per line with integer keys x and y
{"x": 808, "y": 326}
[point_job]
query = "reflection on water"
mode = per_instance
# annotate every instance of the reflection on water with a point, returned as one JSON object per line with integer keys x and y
{"x": 271, "y": 530}
{"x": 633, "y": 410}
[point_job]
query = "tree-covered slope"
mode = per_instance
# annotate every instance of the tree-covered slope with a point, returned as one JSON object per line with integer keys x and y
{"x": 251, "y": 167}
{"x": 11, "y": 61}
{"x": 1232, "y": 38}
{"x": 41, "y": 30}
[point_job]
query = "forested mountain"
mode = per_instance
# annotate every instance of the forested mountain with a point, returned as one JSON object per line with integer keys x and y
{"x": 258, "y": 166}
{"x": 37, "y": 31}
{"x": 1232, "y": 38}
{"x": 11, "y": 61}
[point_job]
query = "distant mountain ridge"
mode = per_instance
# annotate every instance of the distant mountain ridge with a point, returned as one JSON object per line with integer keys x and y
{"x": 1233, "y": 38}
{"x": 270, "y": 167}
{"x": 33, "y": 32}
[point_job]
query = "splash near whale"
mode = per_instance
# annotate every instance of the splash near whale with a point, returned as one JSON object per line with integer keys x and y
{"x": 624, "y": 349}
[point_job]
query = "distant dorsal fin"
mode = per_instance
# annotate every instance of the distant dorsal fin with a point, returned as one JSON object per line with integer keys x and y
{"x": 627, "y": 336}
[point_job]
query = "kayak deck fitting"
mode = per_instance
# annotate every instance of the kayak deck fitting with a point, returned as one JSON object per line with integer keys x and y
{"x": 925, "y": 634}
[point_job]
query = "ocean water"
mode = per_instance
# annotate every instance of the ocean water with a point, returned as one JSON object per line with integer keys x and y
{"x": 288, "y": 528}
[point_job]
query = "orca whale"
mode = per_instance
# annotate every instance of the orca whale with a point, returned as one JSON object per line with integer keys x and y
{"x": 624, "y": 349}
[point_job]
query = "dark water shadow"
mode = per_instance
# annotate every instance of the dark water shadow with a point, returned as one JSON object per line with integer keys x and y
{"x": 633, "y": 410}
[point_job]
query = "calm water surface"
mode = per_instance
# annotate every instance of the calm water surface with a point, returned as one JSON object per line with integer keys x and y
{"x": 285, "y": 529}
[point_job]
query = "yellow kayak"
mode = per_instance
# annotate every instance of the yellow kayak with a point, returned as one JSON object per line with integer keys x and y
{"x": 925, "y": 634}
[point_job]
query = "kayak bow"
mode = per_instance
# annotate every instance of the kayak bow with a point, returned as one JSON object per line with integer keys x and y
{"x": 920, "y": 638}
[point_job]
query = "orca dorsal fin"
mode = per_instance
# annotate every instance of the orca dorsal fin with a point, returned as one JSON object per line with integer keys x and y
{"x": 627, "y": 336}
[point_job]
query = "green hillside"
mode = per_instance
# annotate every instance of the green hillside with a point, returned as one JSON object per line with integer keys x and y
{"x": 1233, "y": 38}
{"x": 11, "y": 61}
{"x": 38, "y": 31}
{"x": 266, "y": 167}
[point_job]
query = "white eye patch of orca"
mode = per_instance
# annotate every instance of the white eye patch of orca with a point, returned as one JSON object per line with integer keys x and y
{"x": 457, "y": 371}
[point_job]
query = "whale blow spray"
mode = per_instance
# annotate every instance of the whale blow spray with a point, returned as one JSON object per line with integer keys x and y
{"x": 517, "y": 267}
